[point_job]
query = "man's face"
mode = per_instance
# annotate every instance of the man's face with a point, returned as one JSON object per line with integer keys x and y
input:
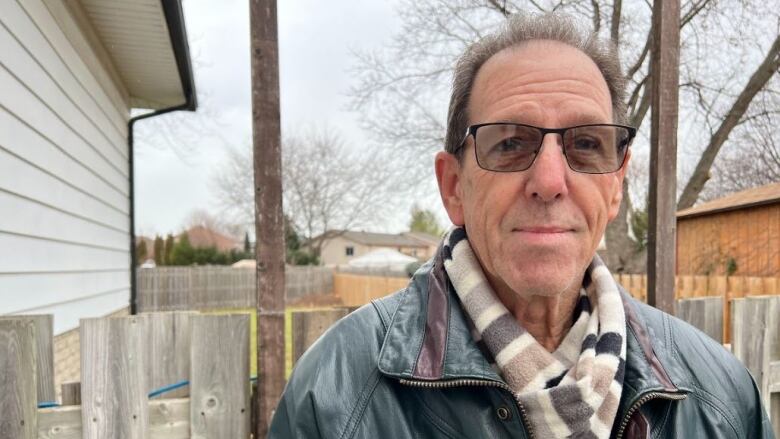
{"x": 534, "y": 231}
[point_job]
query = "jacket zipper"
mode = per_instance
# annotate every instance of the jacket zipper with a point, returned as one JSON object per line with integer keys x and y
{"x": 474, "y": 382}
{"x": 641, "y": 401}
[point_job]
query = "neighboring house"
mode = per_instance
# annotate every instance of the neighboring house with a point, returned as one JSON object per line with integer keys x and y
{"x": 70, "y": 74}
{"x": 738, "y": 234}
{"x": 347, "y": 245}
{"x": 202, "y": 237}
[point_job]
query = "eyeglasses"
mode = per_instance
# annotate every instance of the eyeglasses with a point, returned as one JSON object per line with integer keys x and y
{"x": 511, "y": 147}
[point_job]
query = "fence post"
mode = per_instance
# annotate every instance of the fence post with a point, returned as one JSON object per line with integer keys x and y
{"x": 18, "y": 390}
{"x": 219, "y": 376}
{"x": 113, "y": 378}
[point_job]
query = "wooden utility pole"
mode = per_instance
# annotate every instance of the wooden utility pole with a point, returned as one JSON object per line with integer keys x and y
{"x": 662, "y": 233}
{"x": 269, "y": 220}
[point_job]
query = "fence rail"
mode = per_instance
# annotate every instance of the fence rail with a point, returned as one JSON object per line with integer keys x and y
{"x": 199, "y": 288}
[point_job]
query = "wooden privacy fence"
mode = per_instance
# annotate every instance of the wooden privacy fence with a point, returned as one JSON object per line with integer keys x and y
{"x": 356, "y": 290}
{"x": 123, "y": 361}
{"x": 199, "y": 288}
{"x": 755, "y": 338}
{"x": 726, "y": 287}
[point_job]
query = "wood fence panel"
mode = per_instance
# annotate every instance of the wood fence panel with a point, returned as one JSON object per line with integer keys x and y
{"x": 44, "y": 330}
{"x": 755, "y": 338}
{"x": 168, "y": 351}
{"x": 308, "y": 326}
{"x": 113, "y": 378}
{"x": 71, "y": 393}
{"x": 219, "y": 376}
{"x": 705, "y": 313}
{"x": 18, "y": 390}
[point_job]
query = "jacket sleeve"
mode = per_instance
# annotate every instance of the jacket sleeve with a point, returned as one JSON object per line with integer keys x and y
{"x": 289, "y": 421}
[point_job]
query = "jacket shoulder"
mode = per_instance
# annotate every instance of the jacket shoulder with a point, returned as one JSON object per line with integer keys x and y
{"x": 334, "y": 378}
{"x": 701, "y": 365}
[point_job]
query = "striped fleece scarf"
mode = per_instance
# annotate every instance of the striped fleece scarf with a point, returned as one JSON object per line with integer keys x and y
{"x": 572, "y": 392}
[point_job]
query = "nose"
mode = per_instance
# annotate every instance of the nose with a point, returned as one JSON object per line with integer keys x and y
{"x": 547, "y": 176}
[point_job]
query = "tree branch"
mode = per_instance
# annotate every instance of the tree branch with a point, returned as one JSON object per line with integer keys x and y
{"x": 614, "y": 28}
{"x": 596, "y": 16}
{"x": 760, "y": 77}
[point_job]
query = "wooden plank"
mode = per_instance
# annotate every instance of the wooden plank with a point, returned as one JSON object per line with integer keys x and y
{"x": 308, "y": 326}
{"x": 113, "y": 378}
{"x": 168, "y": 351}
{"x": 71, "y": 393}
{"x": 219, "y": 376}
{"x": 755, "y": 337}
{"x": 44, "y": 335}
{"x": 168, "y": 419}
{"x": 705, "y": 313}
{"x": 18, "y": 390}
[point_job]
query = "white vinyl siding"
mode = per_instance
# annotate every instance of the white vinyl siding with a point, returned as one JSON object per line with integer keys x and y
{"x": 64, "y": 206}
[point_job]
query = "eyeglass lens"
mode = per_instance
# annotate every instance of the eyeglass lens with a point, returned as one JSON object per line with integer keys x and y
{"x": 593, "y": 149}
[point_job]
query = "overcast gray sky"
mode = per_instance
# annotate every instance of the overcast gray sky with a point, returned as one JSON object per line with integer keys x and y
{"x": 315, "y": 39}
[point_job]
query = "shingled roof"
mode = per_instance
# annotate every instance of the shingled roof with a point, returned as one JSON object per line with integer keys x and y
{"x": 768, "y": 194}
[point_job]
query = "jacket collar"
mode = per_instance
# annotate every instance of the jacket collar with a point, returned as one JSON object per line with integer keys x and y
{"x": 428, "y": 339}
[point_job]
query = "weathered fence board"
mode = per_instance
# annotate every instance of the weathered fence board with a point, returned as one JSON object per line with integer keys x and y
{"x": 308, "y": 326}
{"x": 168, "y": 351}
{"x": 219, "y": 386}
{"x": 356, "y": 290}
{"x": 113, "y": 378}
{"x": 71, "y": 393}
{"x": 705, "y": 313}
{"x": 755, "y": 341}
{"x": 44, "y": 328}
{"x": 18, "y": 391}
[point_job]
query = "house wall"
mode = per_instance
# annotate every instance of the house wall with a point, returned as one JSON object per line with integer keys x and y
{"x": 334, "y": 251}
{"x": 750, "y": 237}
{"x": 64, "y": 203}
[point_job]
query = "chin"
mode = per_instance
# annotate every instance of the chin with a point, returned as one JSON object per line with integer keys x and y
{"x": 540, "y": 279}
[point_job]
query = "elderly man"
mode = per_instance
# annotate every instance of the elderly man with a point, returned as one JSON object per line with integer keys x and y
{"x": 516, "y": 329}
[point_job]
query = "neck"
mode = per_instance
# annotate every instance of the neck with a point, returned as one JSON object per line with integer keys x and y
{"x": 547, "y": 318}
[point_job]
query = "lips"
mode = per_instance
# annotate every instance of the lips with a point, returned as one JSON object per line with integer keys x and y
{"x": 543, "y": 229}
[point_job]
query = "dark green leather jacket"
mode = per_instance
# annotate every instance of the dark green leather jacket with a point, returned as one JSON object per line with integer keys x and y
{"x": 405, "y": 366}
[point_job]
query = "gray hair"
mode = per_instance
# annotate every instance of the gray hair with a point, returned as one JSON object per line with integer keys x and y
{"x": 520, "y": 29}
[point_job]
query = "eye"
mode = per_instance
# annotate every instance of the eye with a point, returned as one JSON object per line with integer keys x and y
{"x": 587, "y": 143}
{"x": 510, "y": 145}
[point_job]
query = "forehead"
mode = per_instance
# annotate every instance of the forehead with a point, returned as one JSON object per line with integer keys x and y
{"x": 540, "y": 82}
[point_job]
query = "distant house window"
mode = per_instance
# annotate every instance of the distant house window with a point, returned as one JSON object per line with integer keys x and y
{"x": 350, "y": 251}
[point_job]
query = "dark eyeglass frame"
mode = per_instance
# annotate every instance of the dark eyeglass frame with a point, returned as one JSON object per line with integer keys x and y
{"x": 471, "y": 130}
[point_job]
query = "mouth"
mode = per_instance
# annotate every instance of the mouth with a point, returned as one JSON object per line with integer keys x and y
{"x": 543, "y": 235}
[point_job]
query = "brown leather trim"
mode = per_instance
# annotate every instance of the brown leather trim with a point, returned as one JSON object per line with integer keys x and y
{"x": 430, "y": 361}
{"x": 637, "y": 427}
{"x": 644, "y": 341}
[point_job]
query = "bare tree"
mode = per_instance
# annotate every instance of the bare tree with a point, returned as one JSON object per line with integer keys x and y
{"x": 328, "y": 187}
{"x": 726, "y": 46}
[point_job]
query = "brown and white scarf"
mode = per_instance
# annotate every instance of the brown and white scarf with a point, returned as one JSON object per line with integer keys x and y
{"x": 572, "y": 392}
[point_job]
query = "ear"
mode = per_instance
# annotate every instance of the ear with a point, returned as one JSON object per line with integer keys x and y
{"x": 617, "y": 197}
{"x": 448, "y": 177}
